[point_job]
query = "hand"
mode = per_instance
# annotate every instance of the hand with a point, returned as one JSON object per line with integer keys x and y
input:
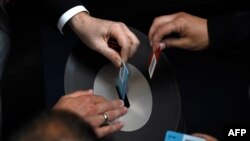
{"x": 91, "y": 108}
{"x": 205, "y": 136}
{"x": 95, "y": 33}
{"x": 192, "y": 32}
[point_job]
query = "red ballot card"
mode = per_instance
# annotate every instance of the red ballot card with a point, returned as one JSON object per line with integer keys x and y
{"x": 153, "y": 61}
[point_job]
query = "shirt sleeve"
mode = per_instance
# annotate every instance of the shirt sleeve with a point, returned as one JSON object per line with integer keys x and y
{"x": 68, "y": 15}
{"x": 59, "y": 9}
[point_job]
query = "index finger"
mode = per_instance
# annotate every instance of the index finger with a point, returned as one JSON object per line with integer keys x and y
{"x": 122, "y": 38}
{"x": 163, "y": 31}
{"x": 159, "y": 21}
{"x": 80, "y": 93}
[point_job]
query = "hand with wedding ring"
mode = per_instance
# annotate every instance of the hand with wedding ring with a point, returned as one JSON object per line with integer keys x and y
{"x": 94, "y": 109}
{"x": 106, "y": 118}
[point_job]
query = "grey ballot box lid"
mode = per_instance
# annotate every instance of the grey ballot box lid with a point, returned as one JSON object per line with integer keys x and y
{"x": 84, "y": 64}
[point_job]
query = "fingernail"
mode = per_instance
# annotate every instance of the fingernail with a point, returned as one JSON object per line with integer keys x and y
{"x": 121, "y": 103}
{"x": 162, "y": 45}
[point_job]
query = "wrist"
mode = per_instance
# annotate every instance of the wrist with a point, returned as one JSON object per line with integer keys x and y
{"x": 206, "y": 36}
{"x": 78, "y": 19}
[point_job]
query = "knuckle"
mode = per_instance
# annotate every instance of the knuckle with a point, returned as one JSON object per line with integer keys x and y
{"x": 181, "y": 17}
{"x": 181, "y": 13}
{"x": 157, "y": 19}
{"x": 122, "y": 24}
{"x": 118, "y": 24}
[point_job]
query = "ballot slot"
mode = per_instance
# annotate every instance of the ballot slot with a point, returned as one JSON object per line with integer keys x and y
{"x": 138, "y": 96}
{"x": 126, "y": 102}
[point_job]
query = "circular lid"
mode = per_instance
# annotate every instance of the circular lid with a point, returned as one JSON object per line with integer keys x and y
{"x": 155, "y": 104}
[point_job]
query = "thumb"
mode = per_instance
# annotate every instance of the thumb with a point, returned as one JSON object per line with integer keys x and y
{"x": 175, "y": 42}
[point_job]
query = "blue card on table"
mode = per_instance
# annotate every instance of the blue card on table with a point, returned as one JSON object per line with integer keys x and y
{"x": 123, "y": 80}
{"x": 175, "y": 136}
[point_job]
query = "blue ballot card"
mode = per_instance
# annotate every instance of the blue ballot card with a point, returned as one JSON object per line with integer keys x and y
{"x": 123, "y": 80}
{"x": 175, "y": 136}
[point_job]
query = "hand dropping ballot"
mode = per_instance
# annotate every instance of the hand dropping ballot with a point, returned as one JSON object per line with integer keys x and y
{"x": 153, "y": 61}
{"x": 123, "y": 81}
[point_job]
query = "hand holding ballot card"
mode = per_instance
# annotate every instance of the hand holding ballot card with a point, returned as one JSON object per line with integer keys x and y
{"x": 123, "y": 76}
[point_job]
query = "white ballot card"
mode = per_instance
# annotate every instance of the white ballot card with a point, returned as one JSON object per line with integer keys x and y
{"x": 153, "y": 61}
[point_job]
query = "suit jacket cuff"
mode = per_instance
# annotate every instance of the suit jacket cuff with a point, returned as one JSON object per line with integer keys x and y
{"x": 68, "y": 15}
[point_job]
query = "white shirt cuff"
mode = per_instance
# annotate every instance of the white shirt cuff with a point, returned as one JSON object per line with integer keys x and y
{"x": 68, "y": 15}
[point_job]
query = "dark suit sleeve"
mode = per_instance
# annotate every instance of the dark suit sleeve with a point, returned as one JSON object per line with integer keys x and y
{"x": 57, "y": 7}
{"x": 230, "y": 34}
